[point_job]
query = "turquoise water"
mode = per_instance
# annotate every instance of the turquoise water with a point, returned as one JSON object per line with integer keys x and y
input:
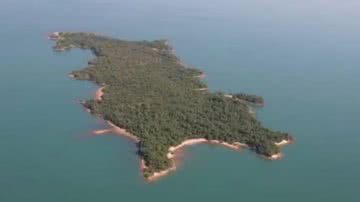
{"x": 302, "y": 57}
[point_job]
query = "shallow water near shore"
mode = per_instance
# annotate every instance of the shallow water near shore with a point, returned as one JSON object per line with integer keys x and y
{"x": 301, "y": 57}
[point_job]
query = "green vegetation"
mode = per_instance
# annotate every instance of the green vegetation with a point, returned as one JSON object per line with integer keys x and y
{"x": 252, "y": 99}
{"x": 153, "y": 96}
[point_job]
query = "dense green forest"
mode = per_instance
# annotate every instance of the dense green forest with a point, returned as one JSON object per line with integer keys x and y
{"x": 150, "y": 93}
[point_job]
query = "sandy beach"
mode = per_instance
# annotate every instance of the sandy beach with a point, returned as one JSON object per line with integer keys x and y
{"x": 99, "y": 93}
{"x": 201, "y": 76}
{"x": 102, "y": 132}
{"x": 171, "y": 155}
{"x": 157, "y": 175}
{"x": 172, "y": 150}
{"x": 201, "y": 89}
{"x": 187, "y": 143}
{"x": 113, "y": 128}
{"x": 283, "y": 143}
{"x": 121, "y": 131}
{"x": 275, "y": 156}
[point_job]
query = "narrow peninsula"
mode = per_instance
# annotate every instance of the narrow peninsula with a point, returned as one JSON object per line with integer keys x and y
{"x": 147, "y": 94}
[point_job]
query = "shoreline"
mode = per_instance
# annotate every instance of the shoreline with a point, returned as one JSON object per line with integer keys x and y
{"x": 277, "y": 156}
{"x": 283, "y": 143}
{"x": 201, "y": 76}
{"x": 101, "y": 132}
{"x": 116, "y": 130}
{"x": 201, "y": 89}
{"x": 71, "y": 76}
{"x": 252, "y": 104}
{"x": 64, "y": 42}
{"x": 171, "y": 155}
{"x": 280, "y": 144}
{"x": 99, "y": 93}
{"x": 190, "y": 142}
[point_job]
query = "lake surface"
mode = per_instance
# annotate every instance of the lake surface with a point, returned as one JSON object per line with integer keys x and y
{"x": 301, "y": 56}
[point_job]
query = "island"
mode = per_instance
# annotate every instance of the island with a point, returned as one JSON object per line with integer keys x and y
{"x": 149, "y": 95}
